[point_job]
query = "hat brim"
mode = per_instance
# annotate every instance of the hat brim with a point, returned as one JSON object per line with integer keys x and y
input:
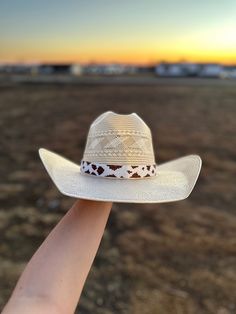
{"x": 175, "y": 180}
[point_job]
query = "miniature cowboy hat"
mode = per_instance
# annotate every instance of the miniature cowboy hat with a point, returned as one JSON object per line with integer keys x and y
{"x": 119, "y": 165}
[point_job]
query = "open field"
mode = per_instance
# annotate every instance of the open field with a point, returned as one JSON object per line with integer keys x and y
{"x": 176, "y": 258}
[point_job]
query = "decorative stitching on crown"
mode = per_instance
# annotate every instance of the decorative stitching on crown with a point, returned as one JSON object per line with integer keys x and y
{"x": 117, "y": 153}
{"x": 117, "y": 132}
{"x": 127, "y": 150}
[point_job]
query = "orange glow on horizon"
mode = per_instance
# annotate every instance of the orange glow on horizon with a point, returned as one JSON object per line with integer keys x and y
{"x": 188, "y": 48}
{"x": 198, "y": 32}
{"x": 128, "y": 58}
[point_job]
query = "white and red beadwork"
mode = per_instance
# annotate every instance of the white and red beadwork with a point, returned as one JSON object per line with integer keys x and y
{"x": 118, "y": 171}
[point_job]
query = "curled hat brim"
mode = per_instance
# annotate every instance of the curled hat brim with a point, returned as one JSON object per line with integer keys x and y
{"x": 175, "y": 180}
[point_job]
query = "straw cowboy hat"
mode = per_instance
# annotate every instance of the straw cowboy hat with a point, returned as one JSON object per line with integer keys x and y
{"x": 119, "y": 165}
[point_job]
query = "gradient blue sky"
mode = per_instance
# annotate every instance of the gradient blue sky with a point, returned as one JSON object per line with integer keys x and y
{"x": 123, "y": 31}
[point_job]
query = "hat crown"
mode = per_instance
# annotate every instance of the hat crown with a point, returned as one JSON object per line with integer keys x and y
{"x": 119, "y": 139}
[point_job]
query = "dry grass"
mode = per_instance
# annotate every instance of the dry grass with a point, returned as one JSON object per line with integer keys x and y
{"x": 171, "y": 258}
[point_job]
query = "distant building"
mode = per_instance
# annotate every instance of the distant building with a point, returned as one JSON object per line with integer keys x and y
{"x": 76, "y": 69}
{"x": 170, "y": 69}
{"x": 187, "y": 69}
{"x": 211, "y": 70}
{"x": 18, "y": 68}
{"x": 131, "y": 69}
{"x": 101, "y": 69}
{"x": 62, "y": 69}
{"x": 54, "y": 69}
{"x": 145, "y": 69}
{"x": 109, "y": 69}
{"x": 228, "y": 72}
{"x": 191, "y": 69}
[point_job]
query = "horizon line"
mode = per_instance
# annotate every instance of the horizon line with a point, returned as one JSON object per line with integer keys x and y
{"x": 89, "y": 62}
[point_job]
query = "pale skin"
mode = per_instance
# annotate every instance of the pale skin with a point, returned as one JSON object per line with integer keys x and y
{"x": 53, "y": 279}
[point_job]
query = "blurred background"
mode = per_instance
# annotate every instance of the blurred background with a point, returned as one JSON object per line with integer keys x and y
{"x": 62, "y": 63}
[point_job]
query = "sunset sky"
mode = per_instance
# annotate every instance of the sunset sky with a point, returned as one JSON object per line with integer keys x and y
{"x": 129, "y": 31}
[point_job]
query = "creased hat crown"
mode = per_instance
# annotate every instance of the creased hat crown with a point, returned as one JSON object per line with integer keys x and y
{"x": 119, "y": 139}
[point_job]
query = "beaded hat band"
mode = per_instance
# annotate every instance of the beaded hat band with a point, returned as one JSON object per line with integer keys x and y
{"x": 118, "y": 171}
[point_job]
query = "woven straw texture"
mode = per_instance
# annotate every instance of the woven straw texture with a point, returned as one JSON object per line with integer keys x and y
{"x": 118, "y": 139}
{"x": 174, "y": 181}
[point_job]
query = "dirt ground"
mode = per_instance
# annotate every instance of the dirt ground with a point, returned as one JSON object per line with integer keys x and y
{"x": 176, "y": 258}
